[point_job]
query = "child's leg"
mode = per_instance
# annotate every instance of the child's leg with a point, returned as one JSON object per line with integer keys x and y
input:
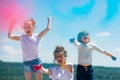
{"x": 28, "y": 75}
{"x": 38, "y": 73}
{"x": 38, "y": 76}
{"x": 80, "y": 73}
{"x": 27, "y": 72}
{"x": 89, "y": 73}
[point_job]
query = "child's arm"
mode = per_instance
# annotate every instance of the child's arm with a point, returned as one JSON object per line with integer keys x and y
{"x": 16, "y": 38}
{"x": 41, "y": 34}
{"x": 50, "y": 72}
{"x": 104, "y": 52}
{"x": 110, "y": 55}
{"x": 46, "y": 71}
{"x": 72, "y": 40}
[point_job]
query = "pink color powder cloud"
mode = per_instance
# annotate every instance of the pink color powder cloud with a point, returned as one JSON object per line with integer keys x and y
{"x": 11, "y": 12}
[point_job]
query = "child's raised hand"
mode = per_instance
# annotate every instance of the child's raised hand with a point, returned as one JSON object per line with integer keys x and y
{"x": 113, "y": 58}
{"x": 72, "y": 40}
{"x": 13, "y": 22}
{"x": 50, "y": 18}
{"x": 64, "y": 65}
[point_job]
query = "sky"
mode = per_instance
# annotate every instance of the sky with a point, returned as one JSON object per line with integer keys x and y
{"x": 101, "y": 18}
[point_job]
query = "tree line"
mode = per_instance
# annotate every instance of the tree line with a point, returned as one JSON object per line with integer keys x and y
{"x": 14, "y": 71}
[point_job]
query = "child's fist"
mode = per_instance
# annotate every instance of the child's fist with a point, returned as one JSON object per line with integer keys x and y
{"x": 72, "y": 40}
{"x": 113, "y": 58}
{"x": 50, "y": 18}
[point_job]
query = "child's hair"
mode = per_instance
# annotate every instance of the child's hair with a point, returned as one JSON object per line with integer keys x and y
{"x": 31, "y": 21}
{"x": 81, "y": 34}
{"x": 60, "y": 49}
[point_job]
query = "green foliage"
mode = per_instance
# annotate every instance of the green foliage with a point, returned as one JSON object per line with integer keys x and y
{"x": 11, "y": 71}
{"x": 107, "y": 73}
{"x": 14, "y": 71}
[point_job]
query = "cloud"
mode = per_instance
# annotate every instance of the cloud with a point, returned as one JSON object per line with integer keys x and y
{"x": 117, "y": 50}
{"x": 10, "y": 53}
{"x": 8, "y": 49}
{"x": 103, "y": 34}
{"x": 3, "y": 39}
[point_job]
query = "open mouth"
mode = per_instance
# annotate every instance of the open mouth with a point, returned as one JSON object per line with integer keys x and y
{"x": 86, "y": 38}
{"x": 59, "y": 61}
{"x": 28, "y": 32}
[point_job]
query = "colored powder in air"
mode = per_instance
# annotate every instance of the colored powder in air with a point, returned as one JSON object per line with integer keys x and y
{"x": 12, "y": 13}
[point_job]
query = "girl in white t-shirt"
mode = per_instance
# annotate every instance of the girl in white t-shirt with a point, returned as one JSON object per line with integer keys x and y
{"x": 30, "y": 42}
{"x": 63, "y": 70}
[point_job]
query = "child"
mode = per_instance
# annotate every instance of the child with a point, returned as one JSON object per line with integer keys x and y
{"x": 63, "y": 71}
{"x": 30, "y": 43}
{"x": 84, "y": 68}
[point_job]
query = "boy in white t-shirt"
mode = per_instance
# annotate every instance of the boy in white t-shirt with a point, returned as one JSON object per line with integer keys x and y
{"x": 85, "y": 50}
{"x": 63, "y": 70}
{"x": 30, "y": 42}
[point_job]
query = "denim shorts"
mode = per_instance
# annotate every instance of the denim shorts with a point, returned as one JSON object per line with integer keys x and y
{"x": 29, "y": 65}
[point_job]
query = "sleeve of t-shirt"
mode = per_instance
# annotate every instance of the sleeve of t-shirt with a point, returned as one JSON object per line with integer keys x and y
{"x": 21, "y": 36}
{"x": 53, "y": 71}
{"x": 70, "y": 64}
{"x": 98, "y": 49}
{"x": 77, "y": 44}
{"x": 37, "y": 36}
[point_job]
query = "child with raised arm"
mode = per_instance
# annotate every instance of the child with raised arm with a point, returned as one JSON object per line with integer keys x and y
{"x": 63, "y": 70}
{"x": 30, "y": 42}
{"x": 85, "y": 48}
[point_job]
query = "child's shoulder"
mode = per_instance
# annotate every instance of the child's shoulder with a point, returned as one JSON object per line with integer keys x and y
{"x": 70, "y": 64}
{"x": 22, "y": 35}
{"x": 91, "y": 44}
{"x": 34, "y": 34}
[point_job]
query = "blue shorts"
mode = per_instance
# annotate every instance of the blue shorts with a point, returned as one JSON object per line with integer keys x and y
{"x": 29, "y": 65}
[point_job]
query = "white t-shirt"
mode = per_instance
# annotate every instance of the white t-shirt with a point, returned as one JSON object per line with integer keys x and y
{"x": 30, "y": 46}
{"x": 85, "y": 52}
{"x": 61, "y": 74}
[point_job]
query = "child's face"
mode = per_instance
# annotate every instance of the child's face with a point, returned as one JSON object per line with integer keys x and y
{"x": 85, "y": 39}
{"x": 60, "y": 58}
{"x": 28, "y": 27}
